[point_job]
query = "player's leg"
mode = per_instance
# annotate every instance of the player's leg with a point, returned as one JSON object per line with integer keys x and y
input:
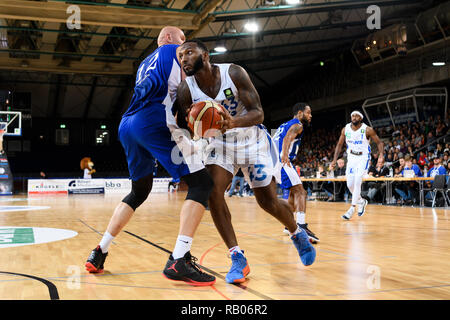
{"x": 299, "y": 194}
{"x": 181, "y": 264}
{"x": 350, "y": 177}
{"x": 267, "y": 199}
{"x": 222, "y": 219}
{"x": 297, "y": 199}
{"x": 140, "y": 165}
{"x": 218, "y": 206}
{"x": 361, "y": 201}
{"x": 182, "y": 159}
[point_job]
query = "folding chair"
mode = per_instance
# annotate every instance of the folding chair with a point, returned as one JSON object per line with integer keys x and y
{"x": 439, "y": 184}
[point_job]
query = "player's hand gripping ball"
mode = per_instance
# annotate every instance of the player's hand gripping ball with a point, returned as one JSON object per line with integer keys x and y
{"x": 203, "y": 119}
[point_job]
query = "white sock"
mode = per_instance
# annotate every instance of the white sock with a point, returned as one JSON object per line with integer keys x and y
{"x": 106, "y": 241}
{"x": 300, "y": 217}
{"x": 296, "y": 231}
{"x": 182, "y": 246}
{"x": 236, "y": 248}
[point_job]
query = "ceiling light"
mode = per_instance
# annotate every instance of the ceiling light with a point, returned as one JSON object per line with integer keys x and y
{"x": 293, "y": 1}
{"x": 220, "y": 49}
{"x": 251, "y": 26}
{"x": 438, "y": 64}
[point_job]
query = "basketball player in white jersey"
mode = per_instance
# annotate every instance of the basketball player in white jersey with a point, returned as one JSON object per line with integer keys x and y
{"x": 357, "y": 135}
{"x": 246, "y": 144}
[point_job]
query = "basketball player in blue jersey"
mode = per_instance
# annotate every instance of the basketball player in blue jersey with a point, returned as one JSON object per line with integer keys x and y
{"x": 147, "y": 133}
{"x": 288, "y": 138}
{"x": 245, "y": 144}
{"x": 357, "y": 135}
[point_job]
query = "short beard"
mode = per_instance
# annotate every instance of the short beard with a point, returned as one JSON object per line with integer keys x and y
{"x": 305, "y": 123}
{"x": 356, "y": 123}
{"x": 198, "y": 64}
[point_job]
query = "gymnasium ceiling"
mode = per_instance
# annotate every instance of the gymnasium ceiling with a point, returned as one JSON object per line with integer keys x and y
{"x": 36, "y": 45}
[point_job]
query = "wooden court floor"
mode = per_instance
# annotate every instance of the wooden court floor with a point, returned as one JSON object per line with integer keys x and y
{"x": 389, "y": 253}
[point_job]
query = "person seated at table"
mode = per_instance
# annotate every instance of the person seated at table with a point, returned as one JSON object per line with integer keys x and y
{"x": 408, "y": 190}
{"x": 377, "y": 171}
{"x": 438, "y": 169}
{"x": 340, "y": 187}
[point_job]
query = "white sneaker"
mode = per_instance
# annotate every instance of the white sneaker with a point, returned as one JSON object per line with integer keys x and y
{"x": 362, "y": 207}
{"x": 348, "y": 215}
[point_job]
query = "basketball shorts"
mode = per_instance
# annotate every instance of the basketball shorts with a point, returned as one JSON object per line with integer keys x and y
{"x": 148, "y": 135}
{"x": 289, "y": 177}
{"x": 250, "y": 149}
{"x": 357, "y": 165}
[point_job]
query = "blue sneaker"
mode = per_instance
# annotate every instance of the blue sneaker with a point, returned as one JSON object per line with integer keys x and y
{"x": 239, "y": 268}
{"x": 304, "y": 247}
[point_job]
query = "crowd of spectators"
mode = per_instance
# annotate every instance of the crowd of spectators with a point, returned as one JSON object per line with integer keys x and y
{"x": 423, "y": 147}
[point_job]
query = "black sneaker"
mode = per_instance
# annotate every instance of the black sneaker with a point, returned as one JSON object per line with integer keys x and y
{"x": 185, "y": 269}
{"x": 312, "y": 237}
{"x": 94, "y": 263}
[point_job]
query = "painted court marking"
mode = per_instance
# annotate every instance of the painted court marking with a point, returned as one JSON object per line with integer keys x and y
{"x": 21, "y": 208}
{"x": 24, "y": 236}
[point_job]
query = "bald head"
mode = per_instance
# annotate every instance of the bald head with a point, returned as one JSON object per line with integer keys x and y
{"x": 171, "y": 35}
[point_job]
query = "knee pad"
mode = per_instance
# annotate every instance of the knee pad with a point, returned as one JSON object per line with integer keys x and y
{"x": 140, "y": 189}
{"x": 200, "y": 186}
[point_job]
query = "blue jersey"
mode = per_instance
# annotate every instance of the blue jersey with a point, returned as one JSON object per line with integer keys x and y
{"x": 436, "y": 171}
{"x": 157, "y": 80}
{"x": 281, "y": 133}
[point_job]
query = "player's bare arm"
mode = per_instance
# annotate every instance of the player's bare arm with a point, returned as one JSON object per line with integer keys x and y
{"x": 371, "y": 134}
{"x": 338, "y": 149}
{"x": 183, "y": 104}
{"x": 293, "y": 131}
{"x": 249, "y": 97}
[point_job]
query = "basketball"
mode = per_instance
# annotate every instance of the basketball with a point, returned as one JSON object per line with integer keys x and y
{"x": 203, "y": 117}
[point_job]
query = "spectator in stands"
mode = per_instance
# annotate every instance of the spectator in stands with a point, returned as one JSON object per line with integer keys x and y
{"x": 430, "y": 162}
{"x": 399, "y": 163}
{"x": 430, "y": 140}
{"x": 437, "y": 169}
{"x": 388, "y": 160}
{"x": 422, "y": 161}
{"x": 408, "y": 191}
{"x": 377, "y": 171}
{"x": 340, "y": 187}
{"x": 439, "y": 152}
{"x": 441, "y": 129}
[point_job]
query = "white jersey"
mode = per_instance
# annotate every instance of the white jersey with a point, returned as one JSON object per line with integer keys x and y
{"x": 358, "y": 150}
{"x": 248, "y": 148}
{"x": 357, "y": 141}
{"x": 228, "y": 95}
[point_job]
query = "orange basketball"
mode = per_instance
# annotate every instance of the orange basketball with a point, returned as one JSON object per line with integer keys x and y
{"x": 203, "y": 117}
